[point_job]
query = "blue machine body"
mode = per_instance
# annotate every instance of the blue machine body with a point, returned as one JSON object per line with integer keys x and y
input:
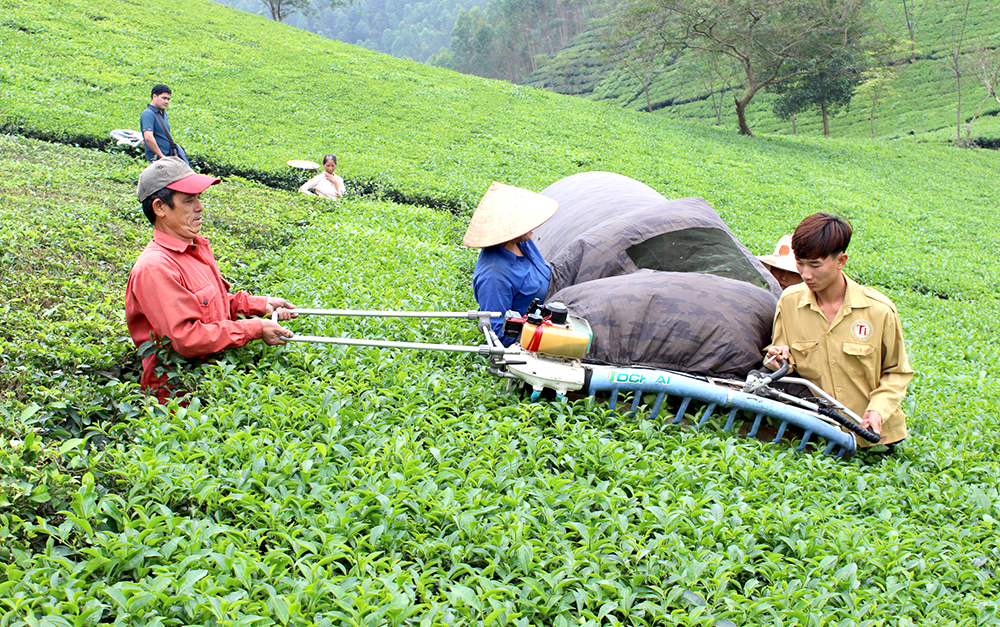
{"x": 639, "y": 381}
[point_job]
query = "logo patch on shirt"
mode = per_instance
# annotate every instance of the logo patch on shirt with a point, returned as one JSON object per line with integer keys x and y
{"x": 861, "y": 329}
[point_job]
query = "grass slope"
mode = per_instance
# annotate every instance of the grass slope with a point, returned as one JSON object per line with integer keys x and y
{"x": 924, "y": 101}
{"x": 253, "y": 94}
{"x": 310, "y": 485}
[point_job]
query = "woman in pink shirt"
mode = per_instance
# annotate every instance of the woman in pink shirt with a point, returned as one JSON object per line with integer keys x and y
{"x": 326, "y": 183}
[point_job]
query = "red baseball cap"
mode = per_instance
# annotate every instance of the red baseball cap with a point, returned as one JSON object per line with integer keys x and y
{"x": 172, "y": 173}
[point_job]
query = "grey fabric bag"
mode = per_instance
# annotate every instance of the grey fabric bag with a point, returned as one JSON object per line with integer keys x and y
{"x": 663, "y": 283}
{"x": 696, "y": 323}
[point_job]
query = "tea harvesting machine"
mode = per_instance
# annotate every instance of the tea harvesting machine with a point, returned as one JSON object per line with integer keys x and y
{"x": 549, "y": 350}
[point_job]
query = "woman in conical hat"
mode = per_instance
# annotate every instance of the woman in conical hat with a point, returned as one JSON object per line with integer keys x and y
{"x": 510, "y": 272}
{"x": 782, "y": 263}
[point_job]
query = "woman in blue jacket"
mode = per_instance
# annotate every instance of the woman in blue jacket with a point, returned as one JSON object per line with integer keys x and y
{"x": 510, "y": 272}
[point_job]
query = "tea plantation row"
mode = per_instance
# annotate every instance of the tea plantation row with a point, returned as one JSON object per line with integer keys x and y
{"x": 317, "y": 485}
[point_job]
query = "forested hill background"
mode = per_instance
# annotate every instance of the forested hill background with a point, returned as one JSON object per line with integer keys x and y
{"x": 403, "y": 28}
{"x": 559, "y": 45}
{"x": 504, "y": 39}
{"x": 922, "y": 96}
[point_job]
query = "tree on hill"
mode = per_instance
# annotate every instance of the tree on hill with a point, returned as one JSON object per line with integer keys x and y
{"x": 828, "y": 87}
{"x": 472, "y": 46}
{"x": 768, "y": 41}
{"x": 986, "y": 66}
{"x": 707, "y": 73}
{"x": 642, "y": 58}
{"x": 280, "y": 9}
{"x": 876, "y": 86}
{"x": 911, "y": 17}
{"x": 956, "y": 64}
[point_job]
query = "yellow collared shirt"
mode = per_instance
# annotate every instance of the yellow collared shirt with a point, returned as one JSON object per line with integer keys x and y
{"x": 859, "y": 358}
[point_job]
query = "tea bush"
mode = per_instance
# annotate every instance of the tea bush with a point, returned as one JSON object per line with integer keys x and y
{"x": 319, "y": 485}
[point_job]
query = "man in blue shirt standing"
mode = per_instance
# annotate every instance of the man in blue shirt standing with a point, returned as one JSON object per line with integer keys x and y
{"x": 156, "y": 128}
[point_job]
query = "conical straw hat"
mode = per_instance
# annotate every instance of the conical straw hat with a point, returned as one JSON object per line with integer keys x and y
{"x": 505, "y": 213}
{"x": 783, "y": 257}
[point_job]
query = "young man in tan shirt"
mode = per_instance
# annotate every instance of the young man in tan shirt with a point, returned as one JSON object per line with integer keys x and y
{"x": 842, "y": 336}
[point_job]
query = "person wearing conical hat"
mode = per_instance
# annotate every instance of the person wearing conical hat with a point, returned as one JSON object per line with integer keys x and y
{"x": 510, "y": 271}
{"x": 782, "y": 263}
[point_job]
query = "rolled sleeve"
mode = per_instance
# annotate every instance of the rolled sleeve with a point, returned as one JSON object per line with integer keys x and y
{"x": 244, "y": 304}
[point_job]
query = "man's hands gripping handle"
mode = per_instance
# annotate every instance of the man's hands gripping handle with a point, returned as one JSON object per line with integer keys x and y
{"x": 278, "y": 309}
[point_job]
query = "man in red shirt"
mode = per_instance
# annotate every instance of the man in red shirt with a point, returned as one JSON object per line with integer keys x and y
{"x": 175, "y": 289}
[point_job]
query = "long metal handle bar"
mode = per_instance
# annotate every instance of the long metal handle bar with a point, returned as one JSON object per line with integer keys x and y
{"x": 492, "y": 346}
{"x": 839, "y": 415}
{"x": 766, "y": 382}
{"x": 372, "y": 313}
{"x": 795, "y": 400}
{"x": 457, "y": 348}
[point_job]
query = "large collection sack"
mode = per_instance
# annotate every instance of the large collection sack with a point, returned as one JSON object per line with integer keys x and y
{"x": 663, "y": 283}
{"x": 697, "y": 323}
{"x": 609, "y": 224}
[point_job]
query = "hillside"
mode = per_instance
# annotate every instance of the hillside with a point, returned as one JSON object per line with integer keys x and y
{"x": 366, "y": 107}
{"x": 310, "y": 485}
{"x": 925, "y": 98}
